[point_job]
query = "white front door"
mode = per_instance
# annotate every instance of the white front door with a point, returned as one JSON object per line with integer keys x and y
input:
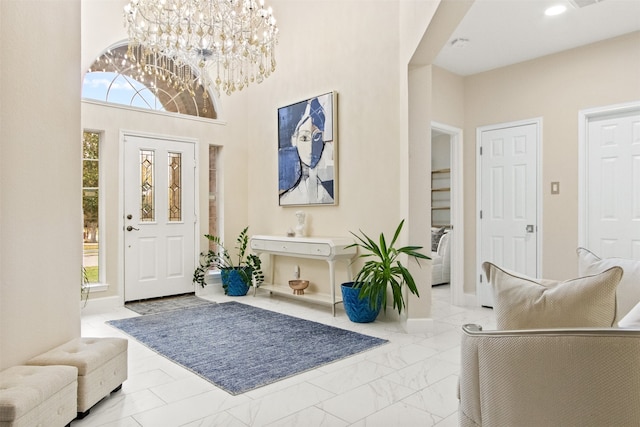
{"x": 159, "y": 217}
{"x": 613, "y": 186}
{"x": 508, "y": 202}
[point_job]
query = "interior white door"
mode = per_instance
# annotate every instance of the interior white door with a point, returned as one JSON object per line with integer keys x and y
{"x": 508, "y": 202}
{"x": 159, "y": 217}
{"x": 613, "y": 186}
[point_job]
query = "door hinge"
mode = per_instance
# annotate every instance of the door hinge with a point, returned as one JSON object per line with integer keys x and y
{"x": 481, "y": 150}
{"x": 481, "y": 278}
{"x": 480, "y": 214}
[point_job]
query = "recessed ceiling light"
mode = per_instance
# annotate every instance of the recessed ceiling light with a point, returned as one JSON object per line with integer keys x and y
{"x": 555, "y": 10}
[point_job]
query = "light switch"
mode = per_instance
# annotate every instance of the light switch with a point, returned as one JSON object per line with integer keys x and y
{"x": 555, "y": 187}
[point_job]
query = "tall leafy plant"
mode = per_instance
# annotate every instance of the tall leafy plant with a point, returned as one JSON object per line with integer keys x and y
{"x": 383, "y": 268}
{"x": 248, "y": 265}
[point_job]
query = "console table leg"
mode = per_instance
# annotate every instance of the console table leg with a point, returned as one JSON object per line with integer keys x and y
{"x": 332, "y": 280}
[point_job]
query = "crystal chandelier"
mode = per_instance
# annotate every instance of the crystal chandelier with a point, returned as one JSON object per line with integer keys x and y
{"x": 230, "y": 42}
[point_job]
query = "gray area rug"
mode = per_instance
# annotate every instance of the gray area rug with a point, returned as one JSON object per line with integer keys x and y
{"x": 239, "y": 347}
{"x": 160, "y": 305}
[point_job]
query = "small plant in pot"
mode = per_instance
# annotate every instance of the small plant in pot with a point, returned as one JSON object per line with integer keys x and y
{"x": 367, "y": 294}
{"x": 238, "y": 273}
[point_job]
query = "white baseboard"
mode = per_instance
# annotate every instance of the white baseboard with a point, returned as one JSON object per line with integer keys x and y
{"x": 209, "y": 290}
{"x": 101, "y": 305}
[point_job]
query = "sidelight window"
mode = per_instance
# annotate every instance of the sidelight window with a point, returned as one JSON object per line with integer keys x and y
{"x": 91, "y": 205}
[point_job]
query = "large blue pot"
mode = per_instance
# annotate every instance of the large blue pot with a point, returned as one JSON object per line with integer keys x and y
{"x": 234, "y": 282}
{"x": 358, "y": 310}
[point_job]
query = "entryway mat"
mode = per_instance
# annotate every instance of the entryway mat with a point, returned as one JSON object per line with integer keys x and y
{"x": 169, "y": 303}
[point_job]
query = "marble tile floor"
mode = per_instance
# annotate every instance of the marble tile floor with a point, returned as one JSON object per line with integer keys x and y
{"x": 411, "y": 381}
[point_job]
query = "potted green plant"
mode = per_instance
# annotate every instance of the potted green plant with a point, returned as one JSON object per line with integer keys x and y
{"x": 238, "y": 273}
{"x": 363, "y": 298}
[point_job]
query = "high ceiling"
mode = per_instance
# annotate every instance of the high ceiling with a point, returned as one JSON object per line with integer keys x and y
{"x": 505, "y": 32}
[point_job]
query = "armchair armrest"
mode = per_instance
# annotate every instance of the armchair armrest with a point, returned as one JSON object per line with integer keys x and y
{"x": 569, "y": 377}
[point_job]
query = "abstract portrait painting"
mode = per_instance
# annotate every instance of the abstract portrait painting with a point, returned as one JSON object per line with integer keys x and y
{"x": 307, "y": 172}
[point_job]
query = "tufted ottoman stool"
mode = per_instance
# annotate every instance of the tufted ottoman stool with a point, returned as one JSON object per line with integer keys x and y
{"x": 38, "y": 396}
{"x": 101, "y": 363}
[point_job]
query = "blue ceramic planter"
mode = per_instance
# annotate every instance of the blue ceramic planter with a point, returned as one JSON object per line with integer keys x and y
{"x": 233, "y": 281}
{"x": 358, "y": 310}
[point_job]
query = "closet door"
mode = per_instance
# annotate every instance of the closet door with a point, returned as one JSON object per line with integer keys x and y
{"x": 613, "y": 186}
{"x": 508, "y": 202}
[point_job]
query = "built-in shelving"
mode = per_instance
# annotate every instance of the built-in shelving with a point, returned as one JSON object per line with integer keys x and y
{"x": 440, "y": 197}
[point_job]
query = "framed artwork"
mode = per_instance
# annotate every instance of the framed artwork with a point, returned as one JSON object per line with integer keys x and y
{"x": 307, "y": 152}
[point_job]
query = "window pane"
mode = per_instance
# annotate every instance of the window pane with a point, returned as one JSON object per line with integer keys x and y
{"x": 90, "y": 173}
{"x": 119, "y": 78}
{"x": 90, "y": 145}
{"x": 147, "y": 199}
{"x": 91, "y": 205}
{"x": 175, "y": 186}
{"x": 213, "y": 194}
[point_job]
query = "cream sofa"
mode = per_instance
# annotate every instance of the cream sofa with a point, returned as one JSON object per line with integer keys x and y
{"x": 584, "y": 370}
{"x": 441, "y": 261}
{"x": 554, "y": 377}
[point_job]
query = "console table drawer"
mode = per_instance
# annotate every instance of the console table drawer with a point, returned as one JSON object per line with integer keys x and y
{"x": 293, "y": 248}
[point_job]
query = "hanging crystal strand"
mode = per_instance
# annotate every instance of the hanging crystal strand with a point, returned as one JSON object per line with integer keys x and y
{"x": 205, "y": 101}
{"x": 161, "y": 67}
{"x": 184, "y": 77}
{"x": 204, "y": 75}
{"x": 218, "y": 81}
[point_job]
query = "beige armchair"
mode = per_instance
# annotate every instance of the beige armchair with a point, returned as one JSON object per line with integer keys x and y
{"x": 560, "y": 377}
{"x": 441, "y": 261}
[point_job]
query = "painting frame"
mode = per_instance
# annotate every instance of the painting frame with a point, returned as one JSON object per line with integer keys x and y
{"x": 308, "y": 152}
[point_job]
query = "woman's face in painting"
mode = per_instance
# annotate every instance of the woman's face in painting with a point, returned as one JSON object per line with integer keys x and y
{"x": 308, "y": 140}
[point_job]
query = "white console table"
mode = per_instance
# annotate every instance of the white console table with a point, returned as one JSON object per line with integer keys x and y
{"x": 329, "y": 249}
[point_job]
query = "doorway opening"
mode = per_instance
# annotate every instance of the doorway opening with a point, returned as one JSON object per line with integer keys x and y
{"x": 448, "y": 155}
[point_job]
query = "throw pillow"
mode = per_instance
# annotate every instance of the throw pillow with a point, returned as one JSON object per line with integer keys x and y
{"x": 632, "y": 319}
{"x": 522, "y": 302}
{"x": 629, "y": 288}
{"x": 436, "y": 235}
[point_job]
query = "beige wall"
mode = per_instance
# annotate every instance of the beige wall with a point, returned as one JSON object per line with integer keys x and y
{"x": 380, "y": 181}
{"x": 379, "y": 158}
{"x": 365, "y": 71}
{"x": 360, "y": 59}
{"x": 110, "y": 121}
{"x": 448, "y": 98}
{"x": 102, "y": 28}
{"x": 345, "y": 61}
{"x": 40, "y": 176}
{"x": 554, "y": 88}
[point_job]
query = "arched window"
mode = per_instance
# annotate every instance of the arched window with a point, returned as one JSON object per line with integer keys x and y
{"x": 118, "y": 79}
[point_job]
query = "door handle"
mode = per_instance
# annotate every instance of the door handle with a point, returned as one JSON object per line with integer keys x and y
{"x": 530, "y": 228}
{"x": 130, "y": 228}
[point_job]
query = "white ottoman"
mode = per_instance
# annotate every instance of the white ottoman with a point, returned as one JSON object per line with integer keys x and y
{"x": 101, "y": 364}
{"x": 38, "y": 396}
